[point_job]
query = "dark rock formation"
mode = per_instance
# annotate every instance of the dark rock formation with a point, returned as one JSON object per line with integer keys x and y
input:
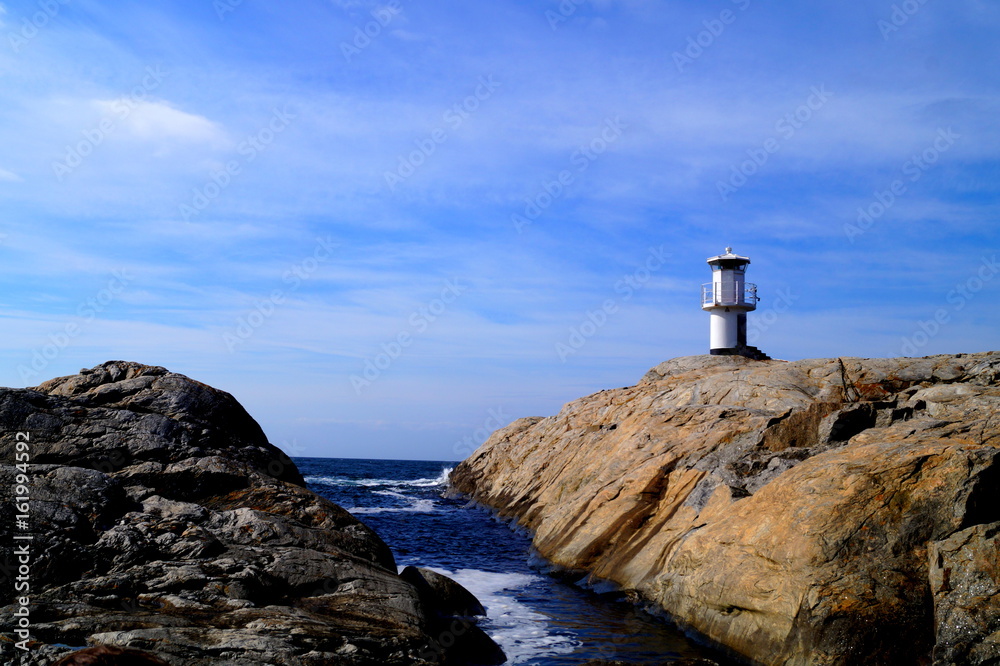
{"x": 109, "y": 655}
{"x": 122, "y": 414}
{"x": 454, "y": 610}
{"x": 442, "y": 593}
{"x": 164, "y": 521}
{"x": 831, "y": 511}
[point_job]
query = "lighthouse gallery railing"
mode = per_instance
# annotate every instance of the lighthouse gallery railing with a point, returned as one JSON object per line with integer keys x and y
{"x": 713, "y": 293}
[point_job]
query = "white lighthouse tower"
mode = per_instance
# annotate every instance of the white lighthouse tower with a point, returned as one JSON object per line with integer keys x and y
{"x": 728, "y": 298}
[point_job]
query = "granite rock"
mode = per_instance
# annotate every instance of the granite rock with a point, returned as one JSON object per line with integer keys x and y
{"x": 164, "y": 521}
{"x": 794, "y": 513}
{"x": 965, "y": 582}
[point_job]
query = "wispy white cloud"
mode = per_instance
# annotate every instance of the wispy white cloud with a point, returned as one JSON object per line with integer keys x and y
{"x": 9, "y": 176}
{"x": 160, "y": 121}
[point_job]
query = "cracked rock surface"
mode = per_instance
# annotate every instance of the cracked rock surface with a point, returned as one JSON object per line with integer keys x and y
{"x": 824, "y": 511}
{"x": 164, "y": 521}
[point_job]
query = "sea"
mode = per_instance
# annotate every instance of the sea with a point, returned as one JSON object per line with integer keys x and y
{"x": 538, "y": 618}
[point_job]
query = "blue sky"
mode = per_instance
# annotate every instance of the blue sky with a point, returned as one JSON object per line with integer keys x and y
{"x": 389, "y": 227}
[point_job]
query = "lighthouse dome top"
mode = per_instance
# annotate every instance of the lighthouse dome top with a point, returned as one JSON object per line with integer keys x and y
{"x": 728, "y": 260}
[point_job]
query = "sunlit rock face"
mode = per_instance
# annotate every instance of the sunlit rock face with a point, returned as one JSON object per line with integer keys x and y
{"x": 829, "y": 511}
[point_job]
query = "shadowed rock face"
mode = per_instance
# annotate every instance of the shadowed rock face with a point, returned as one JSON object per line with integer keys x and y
{"x": 813, "y": 512}
{"x": 121, "y": 414}
{"x": 164, "y": 521}
{"x": 965, "y": 581}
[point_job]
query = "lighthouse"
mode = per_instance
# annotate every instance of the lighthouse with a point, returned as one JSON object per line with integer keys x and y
{"x": 728, "y": 298}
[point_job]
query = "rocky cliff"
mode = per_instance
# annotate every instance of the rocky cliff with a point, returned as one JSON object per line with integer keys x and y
{"x": 832, "y": 511}
{"x": 163, "y": 520}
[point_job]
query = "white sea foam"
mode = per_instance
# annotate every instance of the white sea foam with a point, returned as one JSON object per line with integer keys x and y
{"x": 343, "y": 481}
{"x": 390, "y": 493}
{"x": 391, "y": 488}
{"x": 418, "y": 506}
{"x": 440, "y": 480}
{"x": 522, "y": 633}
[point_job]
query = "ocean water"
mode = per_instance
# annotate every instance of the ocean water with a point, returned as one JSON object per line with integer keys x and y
{"x": 537, "y": 619}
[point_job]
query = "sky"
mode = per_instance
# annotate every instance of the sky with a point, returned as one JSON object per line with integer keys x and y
{"x": 389, "y": 228}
